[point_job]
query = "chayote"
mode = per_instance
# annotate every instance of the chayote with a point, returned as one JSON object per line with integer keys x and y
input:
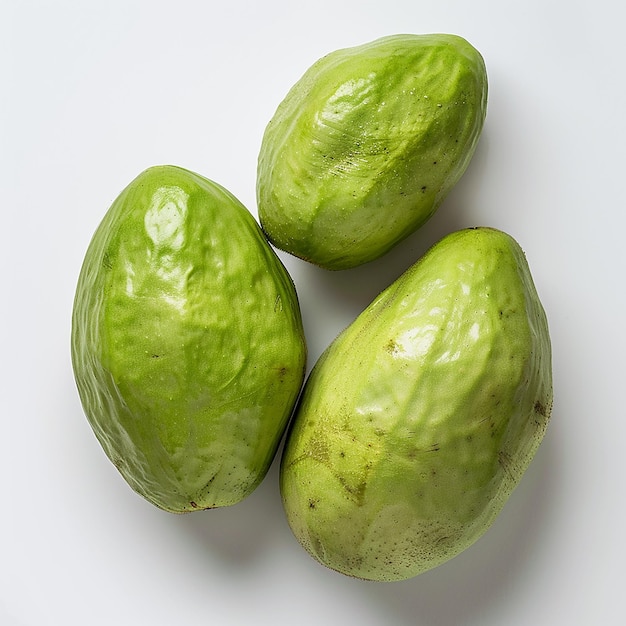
{"x": 187, "y": 342}
{"x": 367, "y": 144}
{"x": 419, "y": 420}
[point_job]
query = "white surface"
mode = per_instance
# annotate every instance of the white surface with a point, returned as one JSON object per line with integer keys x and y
{"x": 94, "y": 92}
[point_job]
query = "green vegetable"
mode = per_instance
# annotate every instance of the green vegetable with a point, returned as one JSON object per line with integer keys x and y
{"x": 187, "y": 342}
{"x": 367, "y": 144}
{"x": 419, "y": 420}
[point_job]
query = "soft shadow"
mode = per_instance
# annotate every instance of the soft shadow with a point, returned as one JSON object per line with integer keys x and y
{"x": 241, "y": 534}
{"x": 357, "y": 286}
{"x": 476, "y": 583}
{"x": 330, "y": 300}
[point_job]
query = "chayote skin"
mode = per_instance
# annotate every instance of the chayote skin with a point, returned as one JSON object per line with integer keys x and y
{"x": 187, "y": 342}
{"x": 367, "y": 144}
{"x": 417, "y": 423}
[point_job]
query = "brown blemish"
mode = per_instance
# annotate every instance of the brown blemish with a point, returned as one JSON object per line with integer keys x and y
{"x": 357, "y": 492}
{"x": 282, "y": 372}
{"x": 506, "y": 462}
{"x": 391, "y": 347}
{"x": 412, "y": 454}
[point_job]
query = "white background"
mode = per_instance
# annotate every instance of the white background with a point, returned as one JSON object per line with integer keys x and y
{"x": 92, "y": 93}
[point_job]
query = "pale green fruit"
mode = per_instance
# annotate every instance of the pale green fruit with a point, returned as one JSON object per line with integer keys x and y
{"x": 419, "y": 420}
{"x": 187, "y": 342}
{"x": 367, "y": 144}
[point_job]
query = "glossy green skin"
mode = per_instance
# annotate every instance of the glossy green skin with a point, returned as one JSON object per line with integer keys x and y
{"x": 187, "y": 342}
{"x": 367, "y": 144}
{"x": 419, "y": 420}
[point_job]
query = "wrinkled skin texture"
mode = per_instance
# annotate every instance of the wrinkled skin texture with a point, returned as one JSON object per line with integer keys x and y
{"x": 187, "y": 342}
{"x": 367, "y": 144}
{"x": 417, "y": 423}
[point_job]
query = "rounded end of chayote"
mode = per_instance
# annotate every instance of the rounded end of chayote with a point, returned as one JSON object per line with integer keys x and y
{"x": 187, "y": 342}
{"x": 367, "y": 144}
{"x": 420, "y": 419}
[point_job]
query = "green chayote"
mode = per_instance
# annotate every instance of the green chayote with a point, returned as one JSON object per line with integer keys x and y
{"x": 419, "y": 420}
{"x": 187, "y": 342}
{"x": 367, "y": 144}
